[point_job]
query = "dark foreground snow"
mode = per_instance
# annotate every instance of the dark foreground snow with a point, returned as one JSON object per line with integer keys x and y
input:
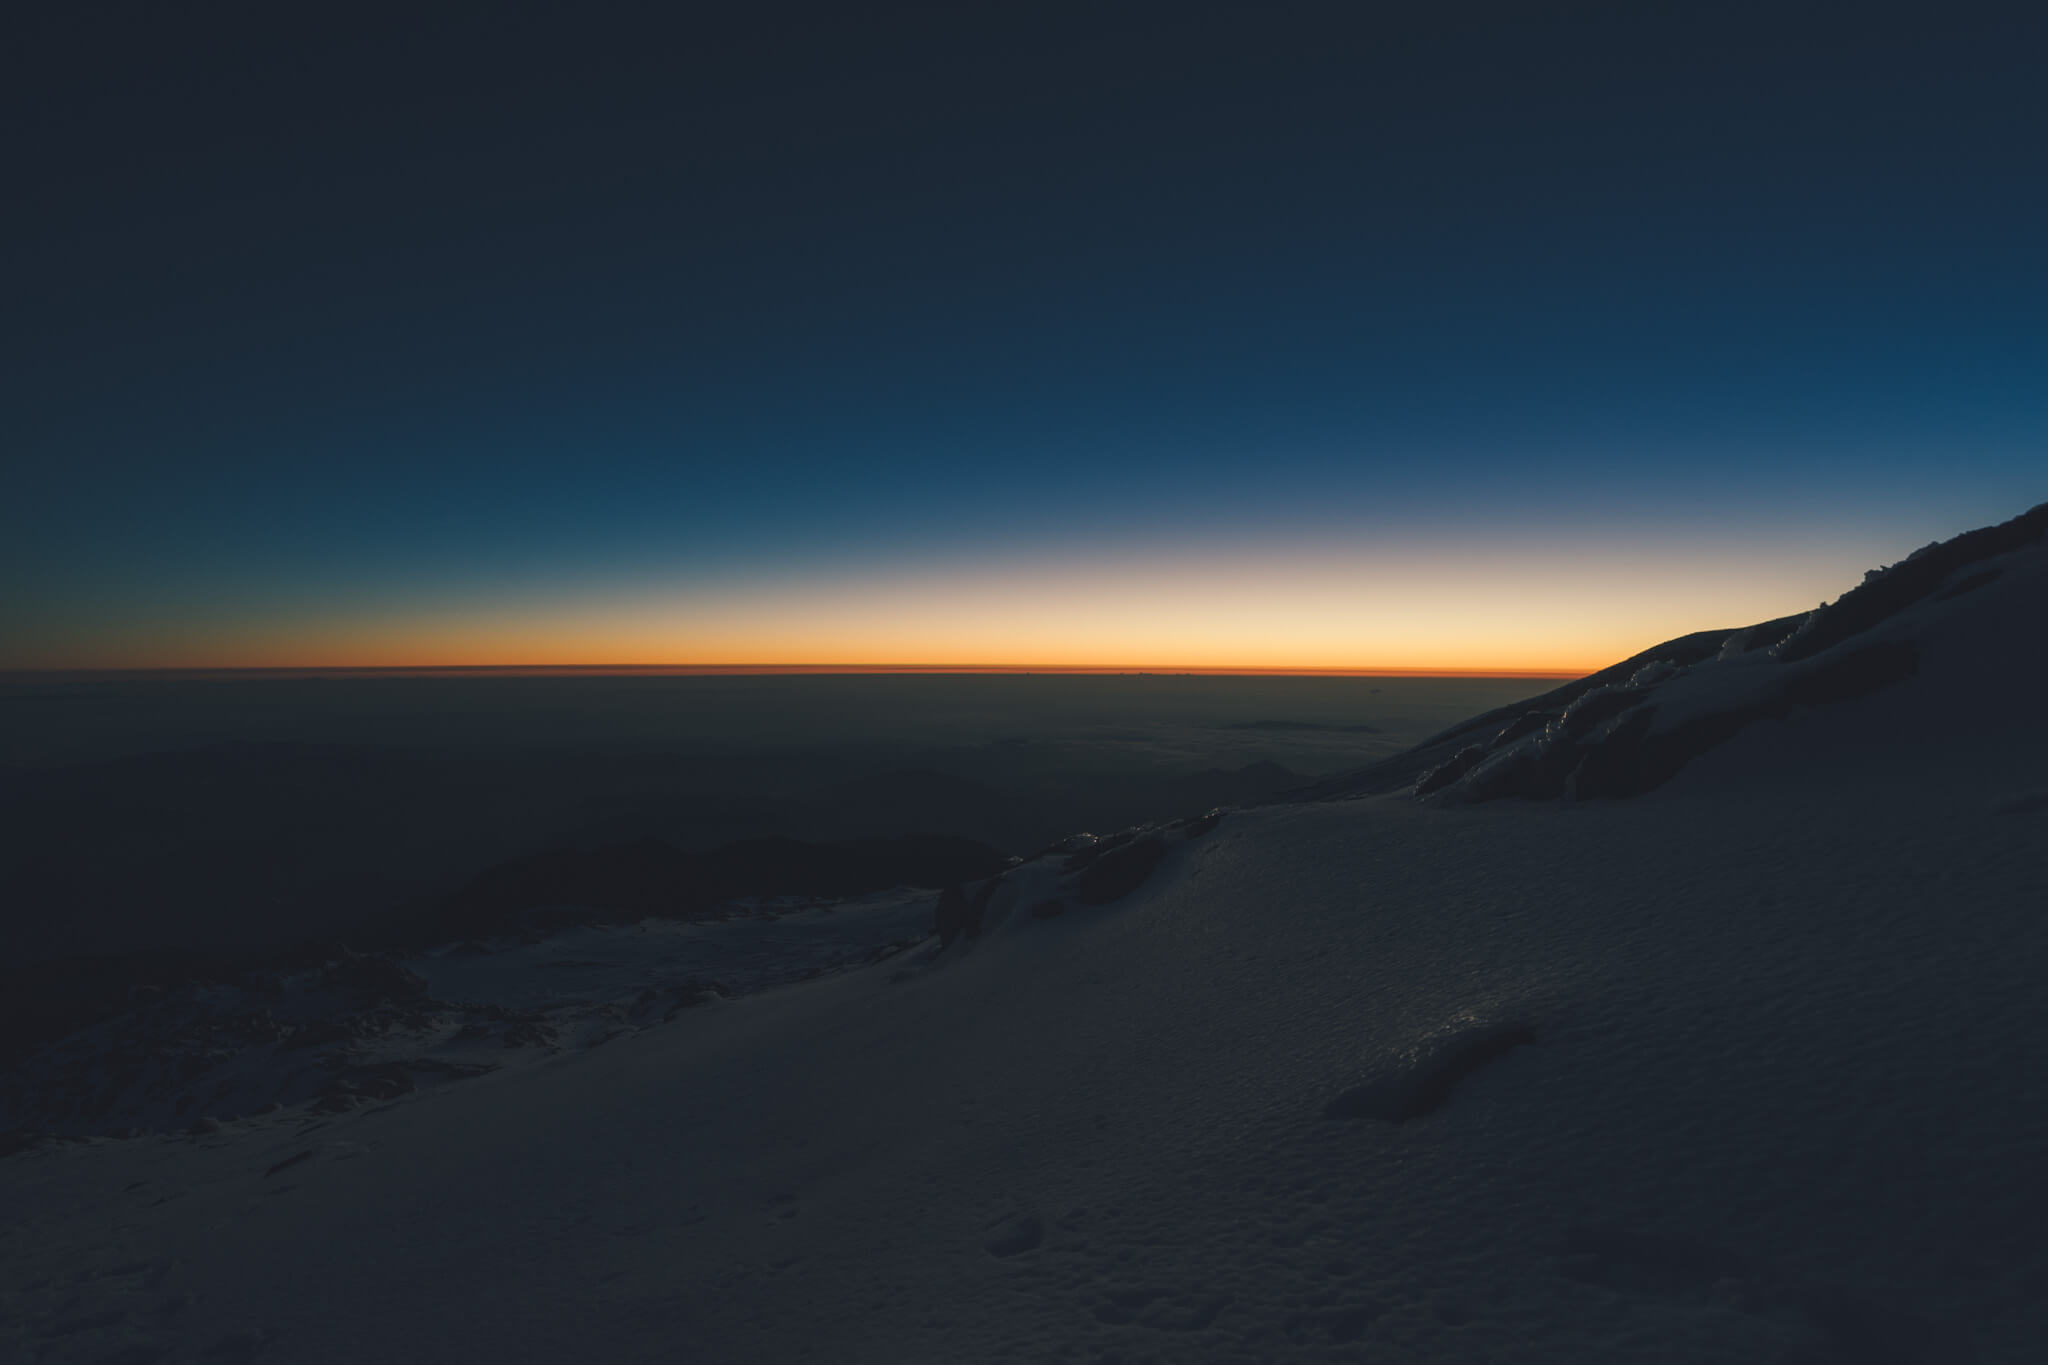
{"x": 1746, "y": 1069}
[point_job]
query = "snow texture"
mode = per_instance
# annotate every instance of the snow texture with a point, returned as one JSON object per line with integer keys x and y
{"x": 1745, "y": 1069}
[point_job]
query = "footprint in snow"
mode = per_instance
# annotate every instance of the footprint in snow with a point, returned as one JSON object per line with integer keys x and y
{"x": 1014, "y": 1236}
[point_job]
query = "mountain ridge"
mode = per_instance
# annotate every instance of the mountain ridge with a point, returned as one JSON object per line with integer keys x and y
{"x": 1603, "y": 735}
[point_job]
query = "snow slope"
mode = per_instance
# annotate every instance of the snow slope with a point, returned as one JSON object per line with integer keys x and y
{"x": 1747, "y": 1068}
{"x": 1631, "y": 727}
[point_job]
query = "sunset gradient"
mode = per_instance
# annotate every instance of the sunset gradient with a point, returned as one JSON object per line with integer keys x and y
{"x": 1515, "y": 606}
{"x": 1355, "y": 337}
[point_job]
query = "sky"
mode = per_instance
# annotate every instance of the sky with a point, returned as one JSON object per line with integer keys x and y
{"x": 1460, "y": 336}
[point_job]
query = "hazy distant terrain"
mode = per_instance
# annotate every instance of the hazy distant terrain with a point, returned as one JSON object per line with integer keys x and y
{"x": 188, "y": 811}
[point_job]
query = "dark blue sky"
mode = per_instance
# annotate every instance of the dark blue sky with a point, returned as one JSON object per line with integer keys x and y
{"x": 366, "y": 333}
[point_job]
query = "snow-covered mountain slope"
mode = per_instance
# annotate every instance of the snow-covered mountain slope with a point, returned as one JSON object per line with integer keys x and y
{"x": 1744, "y": 1069}
{"x": 1633, "y": 726}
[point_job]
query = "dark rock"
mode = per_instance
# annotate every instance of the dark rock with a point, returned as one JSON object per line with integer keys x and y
{"x": 1525, "y": 724}
{"x": 1765, "y": 634}
{"x": 1073, "y": 843}
{"x": 1049, "y": 909}
{"x": 1624, "y": 764}
{"x": 977, "y": 908}
{"x": 288, "y": 1163}
{"x": 955, "y": 914}
{"x": 949, "y": 916}
{"x": 1425, "y": 1080}
{"x": 692, "y": 994}
{"x": 1888, "y": 591}
{"x": 1460, "y": 763}
{"x": 1529, "y": 771}
{"x": 1095, "y": 850}
{"x": 1119, "y": 872}
{"x": 1585, "y": 714}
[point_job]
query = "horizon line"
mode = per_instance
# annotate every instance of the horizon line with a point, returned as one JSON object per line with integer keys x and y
{"x": 772, "y": 670}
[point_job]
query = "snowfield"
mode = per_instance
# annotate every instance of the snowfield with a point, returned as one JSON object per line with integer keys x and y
{"x": 1752, "y": 1067}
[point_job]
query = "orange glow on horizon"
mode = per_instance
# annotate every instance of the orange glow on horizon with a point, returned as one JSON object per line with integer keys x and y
{"x": 1447, "y": 611}
{"x": 786, "y": 670}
